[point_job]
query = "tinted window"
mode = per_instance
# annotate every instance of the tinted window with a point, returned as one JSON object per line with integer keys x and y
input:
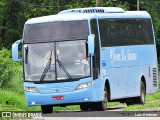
{"x": 120, "y": 32}
{"x": 55, "y": 31}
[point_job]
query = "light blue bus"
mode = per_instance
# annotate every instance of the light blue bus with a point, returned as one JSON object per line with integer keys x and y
{"x": 87, "y": 57}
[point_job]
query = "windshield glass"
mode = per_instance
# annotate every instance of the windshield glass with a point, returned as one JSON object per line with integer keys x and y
{"x": 65, "y": 60}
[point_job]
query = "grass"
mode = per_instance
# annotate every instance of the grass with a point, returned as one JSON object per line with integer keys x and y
{"x": 16, "y": 102}
{"x": 145, "y": 106}
{"x": 153, "y": 97}
{"x": 112, "y": 104}
{"x": 74, "y": 108}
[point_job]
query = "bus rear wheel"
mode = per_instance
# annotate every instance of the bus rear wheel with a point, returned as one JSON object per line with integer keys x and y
{"x": 47, "y": 109}
{"x": 141, "y": 98}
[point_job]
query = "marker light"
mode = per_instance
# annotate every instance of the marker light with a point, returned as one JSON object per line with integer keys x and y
{"x": 33, "y": 103}
{"x": 84, "y": 85}
{"x": 31, "y": 89}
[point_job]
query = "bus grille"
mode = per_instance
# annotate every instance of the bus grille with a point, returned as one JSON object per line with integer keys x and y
{"x": 57, "y": 90}
{"x": 154, "y": 77}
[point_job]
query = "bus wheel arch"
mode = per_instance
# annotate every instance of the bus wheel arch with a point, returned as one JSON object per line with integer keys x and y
{"x": 102, "y": 105}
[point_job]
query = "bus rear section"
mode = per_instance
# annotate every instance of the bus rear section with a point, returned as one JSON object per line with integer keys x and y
{"x": 128, "y": 56}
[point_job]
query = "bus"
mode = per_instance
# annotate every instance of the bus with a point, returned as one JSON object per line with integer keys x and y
{"x": 88, "y": 57}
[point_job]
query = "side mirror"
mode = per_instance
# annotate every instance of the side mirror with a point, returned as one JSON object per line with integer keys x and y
{"x": 91, "y": 44}
{"x": 15, "y": 51}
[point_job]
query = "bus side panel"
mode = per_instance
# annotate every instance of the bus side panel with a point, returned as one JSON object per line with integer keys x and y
{"x": 124, "y": 82}
{"x": 124, "y": 67}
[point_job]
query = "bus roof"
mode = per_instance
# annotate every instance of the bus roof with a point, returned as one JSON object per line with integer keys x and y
{"x": 89, "y": 13}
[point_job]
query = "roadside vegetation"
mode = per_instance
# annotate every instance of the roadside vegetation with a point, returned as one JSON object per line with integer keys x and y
{"x": 11, "y": 84}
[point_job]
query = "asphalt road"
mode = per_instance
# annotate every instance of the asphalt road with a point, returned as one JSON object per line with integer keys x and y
{"x": 110, "y": 112}
{"x": 85, "y": 114}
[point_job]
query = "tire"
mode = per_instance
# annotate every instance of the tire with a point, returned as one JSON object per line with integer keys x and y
{"x": 47, "y": 109}
{"x": 97, "y": 106}
{"x": 102, "y": 106}
{"x": 141, "y": 98}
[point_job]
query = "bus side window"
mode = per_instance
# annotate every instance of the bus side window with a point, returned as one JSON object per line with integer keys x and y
{"x": 147, "y": 29}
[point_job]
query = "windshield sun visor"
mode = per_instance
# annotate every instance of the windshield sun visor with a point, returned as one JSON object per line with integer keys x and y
{"x": 57, "y": 31}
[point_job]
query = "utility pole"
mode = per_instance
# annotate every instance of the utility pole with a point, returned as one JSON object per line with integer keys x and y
{"x": 58, "y": 5}
{"x": 98, "y": 3}
{"x": 137, "y": 5}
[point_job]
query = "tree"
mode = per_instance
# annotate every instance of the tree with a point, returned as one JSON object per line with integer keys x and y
{"x": 11, "y": 22}
{"x": 14, "y": 13}
{"x": 1, "y": 20}
{"x": 153, "y": 8}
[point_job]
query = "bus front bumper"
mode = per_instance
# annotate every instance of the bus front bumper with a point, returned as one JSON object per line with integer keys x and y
{"x": 74, "y": 97}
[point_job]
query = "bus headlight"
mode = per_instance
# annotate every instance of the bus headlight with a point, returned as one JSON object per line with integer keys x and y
{"x": 31, "y": 89}
{"x": 84, "y": 85}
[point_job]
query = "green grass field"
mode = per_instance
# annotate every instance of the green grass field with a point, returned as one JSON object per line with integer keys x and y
{"x": 16, "y": 102}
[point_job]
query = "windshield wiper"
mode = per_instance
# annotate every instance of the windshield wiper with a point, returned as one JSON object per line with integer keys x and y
{"x": 64, "y": 69}
{"x": 46, "y": 68}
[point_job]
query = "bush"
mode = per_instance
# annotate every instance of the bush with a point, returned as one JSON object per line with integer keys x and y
{"x": 9, "y": 70}
{"x": 159, "y": 76}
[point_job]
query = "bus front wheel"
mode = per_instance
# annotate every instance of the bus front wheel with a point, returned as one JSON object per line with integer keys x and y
{"x": 102, "y": 106}
{"x": 47, "y": 109}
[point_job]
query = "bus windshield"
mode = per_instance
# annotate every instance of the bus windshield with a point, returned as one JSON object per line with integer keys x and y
{"x": 53, "y": 61}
